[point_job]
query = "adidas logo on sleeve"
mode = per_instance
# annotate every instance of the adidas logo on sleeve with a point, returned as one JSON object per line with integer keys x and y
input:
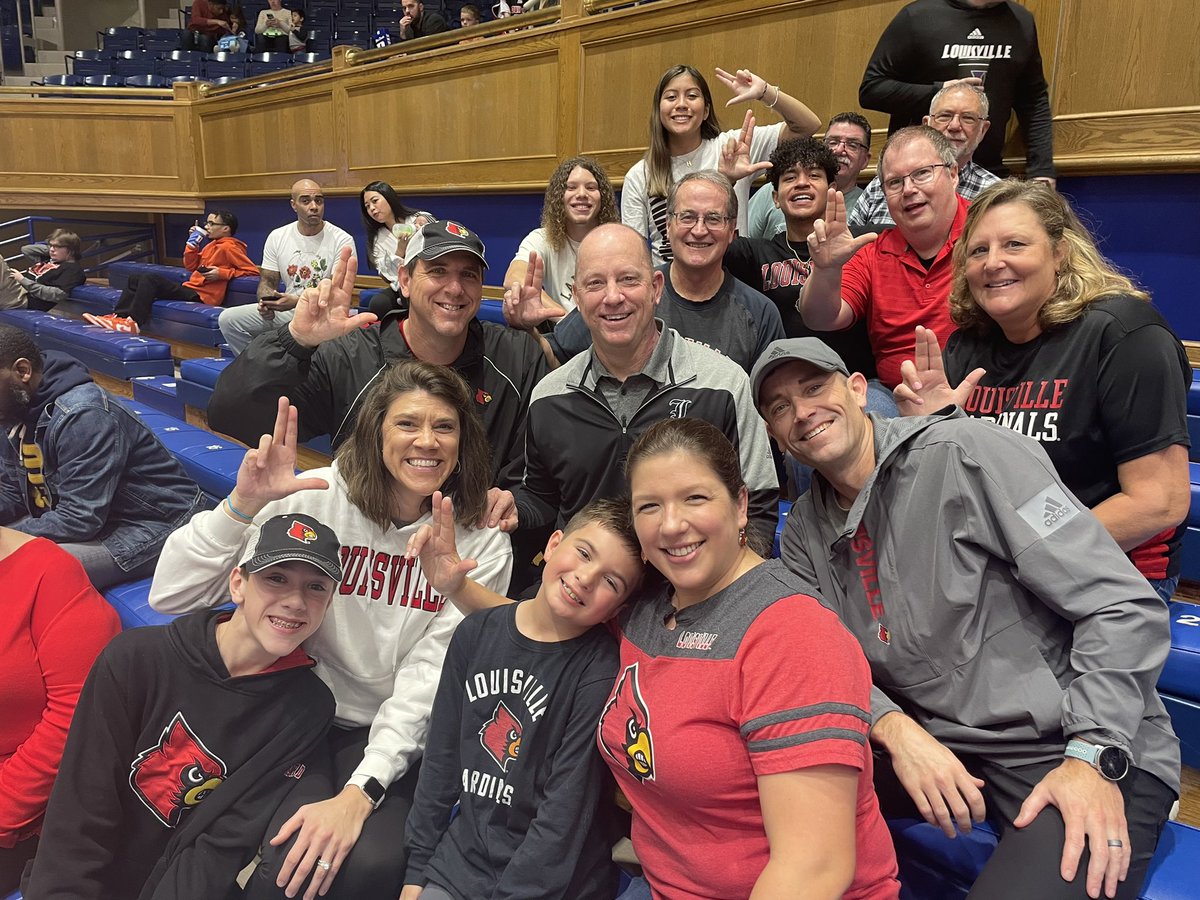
{"x": 1048, "y": 510}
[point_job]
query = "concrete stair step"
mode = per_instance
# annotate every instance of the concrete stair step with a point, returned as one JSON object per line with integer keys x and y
{"x": 39, "y": 70}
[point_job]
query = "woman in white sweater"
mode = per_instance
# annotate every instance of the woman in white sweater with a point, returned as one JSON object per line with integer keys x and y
{"x": 381, "y": 647}
{"x": 686, "y": 136}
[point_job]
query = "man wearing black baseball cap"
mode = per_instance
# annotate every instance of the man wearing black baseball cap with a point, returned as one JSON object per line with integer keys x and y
{"x": 1013, "y": 645}
{"x": 325, "y": 357}
{"x": 188, "y": 736}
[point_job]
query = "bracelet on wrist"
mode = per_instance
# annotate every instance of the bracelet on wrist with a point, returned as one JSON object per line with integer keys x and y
{"x": 771, "y": 105}
{"x": 237, "y": 512}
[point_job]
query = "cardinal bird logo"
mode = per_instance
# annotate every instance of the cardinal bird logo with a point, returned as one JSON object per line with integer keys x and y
{"x": 625, "y": 723}
{"x": 175, "y": 774}
{"x": 501, "y": 736}
{"x": 301, "y": 532}
{"x": 457, "y": 230}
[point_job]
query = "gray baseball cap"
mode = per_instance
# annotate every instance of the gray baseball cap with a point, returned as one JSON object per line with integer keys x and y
{"x": 806, "y": 349}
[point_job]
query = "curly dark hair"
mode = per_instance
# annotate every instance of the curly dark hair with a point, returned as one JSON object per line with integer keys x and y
{"x": 554, "y": 209}
{"x": 806, "y": 153}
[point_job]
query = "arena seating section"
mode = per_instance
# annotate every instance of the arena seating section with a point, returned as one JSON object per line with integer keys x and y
{"x": 932, "y": 866}
{"x": 152, "y": 58}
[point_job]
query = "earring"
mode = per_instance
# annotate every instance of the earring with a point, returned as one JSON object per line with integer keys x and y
{"x": 741, "y": 537}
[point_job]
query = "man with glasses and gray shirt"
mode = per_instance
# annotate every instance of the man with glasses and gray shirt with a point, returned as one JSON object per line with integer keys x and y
{"x": 960, "y": 112}
{"x": 900, "y": 278}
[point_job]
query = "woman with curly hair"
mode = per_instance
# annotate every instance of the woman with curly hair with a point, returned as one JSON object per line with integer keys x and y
{"x": 578, "y": 198}
{"x": 686, "y": 136}
{"x": 1053, "y": 342}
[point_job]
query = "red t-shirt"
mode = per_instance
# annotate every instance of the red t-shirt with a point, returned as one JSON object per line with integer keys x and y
{"x": 886, "y": 284}
{"x": 748, "y": 683}
{"x": 53, "y": 624}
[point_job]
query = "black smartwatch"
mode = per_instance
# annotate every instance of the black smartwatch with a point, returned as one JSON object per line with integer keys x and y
{"x": 375, "y": 792}
{"x": 1110, "y": 762}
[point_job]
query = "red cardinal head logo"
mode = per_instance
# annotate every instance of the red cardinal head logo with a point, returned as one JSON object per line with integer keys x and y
{"x": 175, "y": 774}
{"x": 457, "y": 230}
{"x": 625, "y": 727}
{"x": 501, "y": 736}
{"x": 301, "y": 532}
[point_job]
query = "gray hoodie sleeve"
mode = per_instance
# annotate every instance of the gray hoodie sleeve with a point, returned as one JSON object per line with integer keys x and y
{"x": 1061, "y": 553}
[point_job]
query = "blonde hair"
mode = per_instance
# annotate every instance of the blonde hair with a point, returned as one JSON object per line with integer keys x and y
{"x": 1084, "y": 276}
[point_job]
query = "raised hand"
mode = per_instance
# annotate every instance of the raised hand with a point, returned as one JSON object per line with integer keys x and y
{"x": 1091, "y": 807}
{"x": 831, "y": 244}
{"x": 268, "y": 472}
{"x": 501, "y": 511}
{"x": 523, "y": 306}
{"x": 323, "y": 312}
{"x": 923, "y": 388}
{"x": 735, "y": 161}
{"x": 434, "y": 544}
{"x": 746, "y": 86}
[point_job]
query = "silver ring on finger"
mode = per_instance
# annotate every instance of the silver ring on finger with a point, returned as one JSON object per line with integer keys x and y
{"x": 1113, "y": 842}
{"x": 324, "y": 864}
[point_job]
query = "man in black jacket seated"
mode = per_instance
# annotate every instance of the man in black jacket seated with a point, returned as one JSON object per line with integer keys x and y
{"x": 325, "y": 358}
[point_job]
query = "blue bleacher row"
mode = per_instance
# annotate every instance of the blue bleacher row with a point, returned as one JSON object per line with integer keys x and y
{"x": 145, "y": 68}
{"x": 932, "y": 866}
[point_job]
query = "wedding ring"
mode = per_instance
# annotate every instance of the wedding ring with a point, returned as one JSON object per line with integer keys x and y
{"x": 326, "y": 865}
{"x": 1112, "y": 842}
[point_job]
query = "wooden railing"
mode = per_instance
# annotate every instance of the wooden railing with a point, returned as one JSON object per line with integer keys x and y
{"x": 494, "y": 108}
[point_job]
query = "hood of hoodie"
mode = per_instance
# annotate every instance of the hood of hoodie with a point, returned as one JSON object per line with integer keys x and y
{"x": 60, "y": 373}
{"x": 229, "y": 242}
{"x": 194, "y": 638}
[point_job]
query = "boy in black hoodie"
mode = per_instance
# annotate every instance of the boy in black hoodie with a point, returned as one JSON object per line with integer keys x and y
{"x": 187, "y": 736}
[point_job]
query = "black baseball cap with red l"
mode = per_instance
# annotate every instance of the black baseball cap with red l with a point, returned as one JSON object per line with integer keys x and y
{"x": 436, "y": 239}
{"x": 294, "y": 537}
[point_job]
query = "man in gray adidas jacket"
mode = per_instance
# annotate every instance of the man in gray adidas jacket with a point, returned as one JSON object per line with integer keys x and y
{"x": 1013, "y": 646}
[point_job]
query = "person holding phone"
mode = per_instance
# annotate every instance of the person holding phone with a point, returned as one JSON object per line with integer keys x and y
{"x": 274, "y": 26}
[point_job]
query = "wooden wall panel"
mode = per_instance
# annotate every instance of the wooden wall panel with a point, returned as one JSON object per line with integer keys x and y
{"x": 263, "y": 141}
{"x": 1117, "y": 55}
{"x": 495, "y": 114}
{"x": 454, "y": 125}
{"x": 82, "y": 154}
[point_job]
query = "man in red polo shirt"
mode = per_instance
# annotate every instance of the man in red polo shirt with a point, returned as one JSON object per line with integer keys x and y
{"x": 900, "y": 278}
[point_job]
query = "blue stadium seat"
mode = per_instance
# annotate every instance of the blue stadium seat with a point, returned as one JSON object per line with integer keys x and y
{"x": 934, "y": 867}
{"x": 266, "y": 63}
{"x": 128, "y": 63}
{"x": 90, "y": 62}
{"x": 785, "y": 507}
{"x": 162, "y": 40}
{"x": 91, "y": 298}
{"x": 491, "y": 311}
{"x": 225, "y": 65}
{"x": 182, "y": 62}
{"x": 158, "y": 391}
{"x": 62, "y": 81}
{"x": 119, "y": 272}
{"x": 147, "y": 81}
{"x": 242, "y": 291}
{"x": 122, "y": 356}
{"x": 120, "y": 38}
{"x": 180, "y": 320}
{"x": 197, "y": 378}
{"x": 132, "y": 603}
{"x": 104, "y": 81}
{"x": 211, "y": 461}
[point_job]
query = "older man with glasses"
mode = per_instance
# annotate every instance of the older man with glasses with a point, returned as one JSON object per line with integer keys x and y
{"x": 701, "y": 299}
{"x": 960, "y": 112}
{"x": 900, "y": 278}
{"x": 849, "y": 137}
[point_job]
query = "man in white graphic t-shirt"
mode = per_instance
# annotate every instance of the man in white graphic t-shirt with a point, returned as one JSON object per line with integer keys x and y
{"x": 296, "y": 256}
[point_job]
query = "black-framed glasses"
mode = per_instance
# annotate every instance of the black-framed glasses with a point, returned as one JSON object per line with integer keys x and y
{"x": 212, "y": 222}
{"x": 920, "y": 176}
{"x": 689, "y": 219}
{"x": 56, "y": 246}
{"x": 854, "y": 146}
{"x": 968, "y": 120}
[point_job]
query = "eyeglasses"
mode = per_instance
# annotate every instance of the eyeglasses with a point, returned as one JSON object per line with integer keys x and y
{"x": 689, "y": 219}
{"x": 968, "y": 120}
{"x": 851, "y": 144}
{"x": 53, "y": 246}
{"x": 920, "y": 176}
{"x": 213, "y": 222}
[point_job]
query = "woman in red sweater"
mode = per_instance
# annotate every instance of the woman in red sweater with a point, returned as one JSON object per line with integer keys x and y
{"x": 52, "y": 626}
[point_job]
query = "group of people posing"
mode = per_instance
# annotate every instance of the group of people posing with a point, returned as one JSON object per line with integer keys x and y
{"x": 966, "y": 622}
